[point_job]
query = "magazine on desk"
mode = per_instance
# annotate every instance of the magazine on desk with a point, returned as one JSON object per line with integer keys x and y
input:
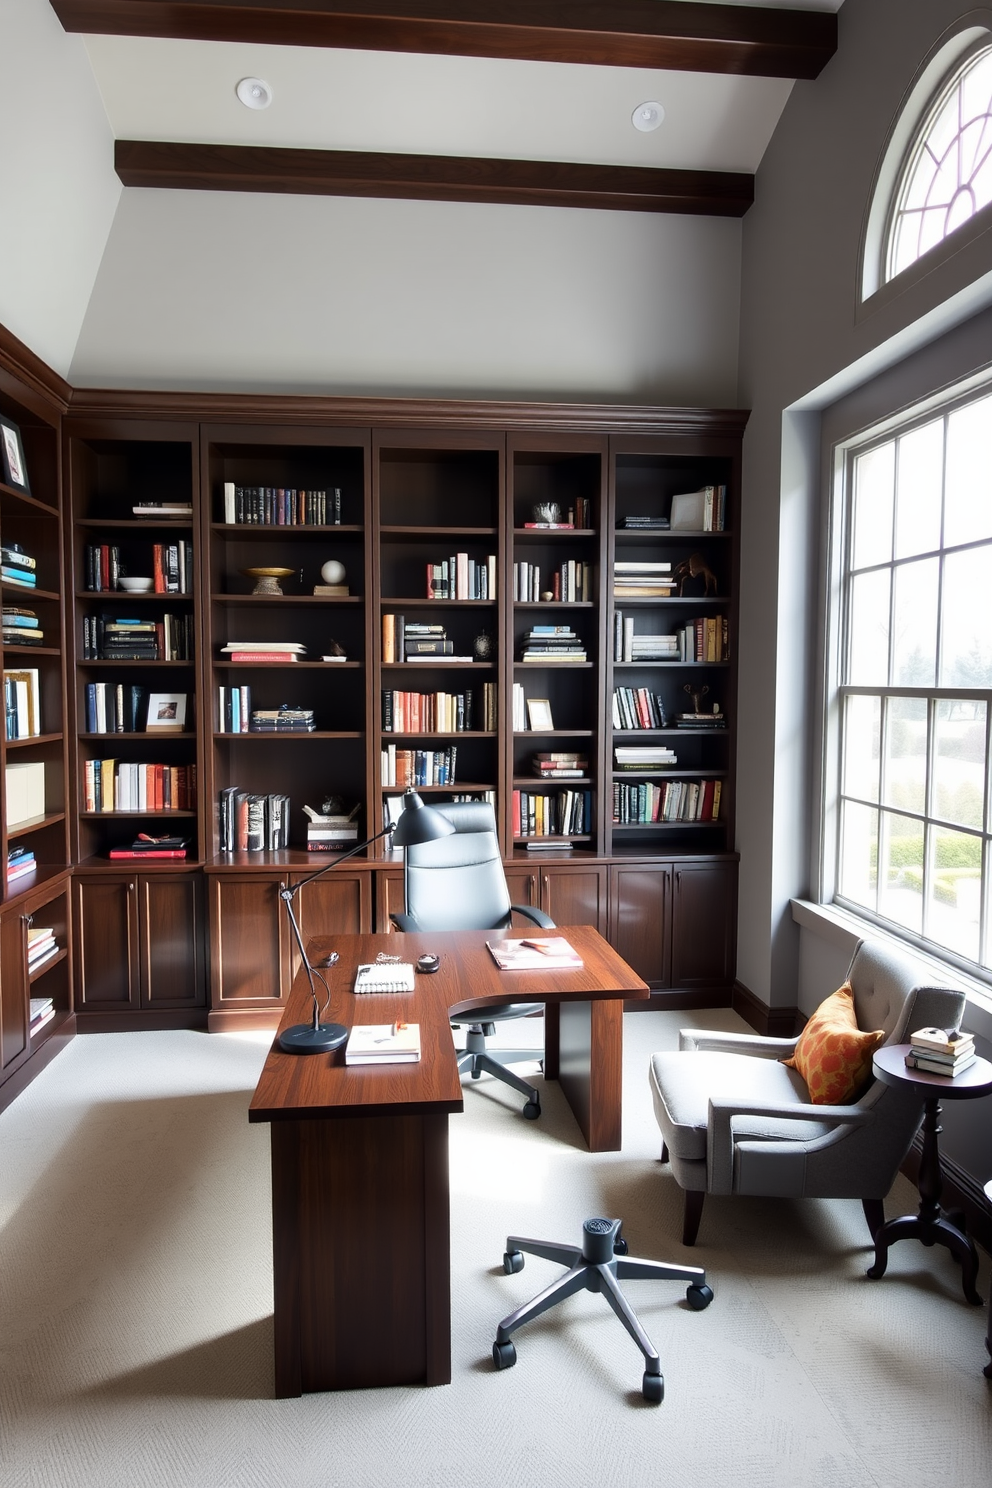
{"x": 534, "y": 953}
{"x": 383, "y": 1043}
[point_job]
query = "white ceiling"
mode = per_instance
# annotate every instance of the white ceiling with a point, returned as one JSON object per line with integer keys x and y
{"x": 158, "y": 89}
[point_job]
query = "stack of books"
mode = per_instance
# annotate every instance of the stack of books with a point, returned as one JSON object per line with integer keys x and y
{"x": 17, "y": 567}
{"x": 644, "y": 757}
{"x": 560, "y": 765}
{"x": 632, "y": 646}
{"x": 145, "y": 846}
{"x": 334, "y": 833}
{"x": 645, "y": 579}
{"x": 128, "y": 640}
{"x": 643, "y": 523}
{"x": 20, "y": 627}
{"x": 714, "y": 720}
{"x": 940, "y": 1051}
{"x": 552, "y": 643}
{"x": 171, "y": 509}
{"x": 20, "y": 862}
{"x": 281, "y": 720}
{"x": 263, "y": 651}
{"x": 41, "y": 947}
{"x": 42, "y": 1012}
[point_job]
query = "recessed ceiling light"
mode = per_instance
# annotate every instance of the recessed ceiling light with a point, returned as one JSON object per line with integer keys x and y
{"x": 647, "y": 116}
{"x": 254, "y": 93}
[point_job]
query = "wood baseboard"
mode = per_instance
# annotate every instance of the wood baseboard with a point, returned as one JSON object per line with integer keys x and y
{"x": 769, "y": 1022}
{"x": 150, "y": 1020}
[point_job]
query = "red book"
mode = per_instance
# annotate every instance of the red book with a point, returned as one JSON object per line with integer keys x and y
{"x": 158, "y": 572}
{"x": 127, "y": 852}
{"x": 257, "y": 656}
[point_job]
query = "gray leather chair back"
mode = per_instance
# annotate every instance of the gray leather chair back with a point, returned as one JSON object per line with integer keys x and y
{"x": 457, "y": 882}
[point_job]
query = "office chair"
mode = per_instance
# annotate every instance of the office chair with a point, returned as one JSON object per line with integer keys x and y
{"x": 458, "y": 883}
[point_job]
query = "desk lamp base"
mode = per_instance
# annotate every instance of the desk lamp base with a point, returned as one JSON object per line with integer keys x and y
{"x": 305, "y": 1039}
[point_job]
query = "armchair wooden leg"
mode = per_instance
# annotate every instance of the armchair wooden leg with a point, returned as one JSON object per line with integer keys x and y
{"x": 664, "y": 1152}
{"x": 874, "y": 1214}
{"x": 692, "y": 1214}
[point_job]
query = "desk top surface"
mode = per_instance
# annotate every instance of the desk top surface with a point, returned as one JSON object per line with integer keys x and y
{"x": 294, "y": 1086}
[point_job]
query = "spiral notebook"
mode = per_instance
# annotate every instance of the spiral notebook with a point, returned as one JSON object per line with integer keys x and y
{"x": 384, "y": 976}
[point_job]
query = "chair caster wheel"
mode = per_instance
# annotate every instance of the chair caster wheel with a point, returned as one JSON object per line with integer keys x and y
{"x": 699, "y": 1297}
{"x": 532, "y": 1110}
{"x": 620, "y": 1246}
{"x": 513, "y": 1261}
{"x": 504, "y": 1355}
{"x": 653, "y": 1388}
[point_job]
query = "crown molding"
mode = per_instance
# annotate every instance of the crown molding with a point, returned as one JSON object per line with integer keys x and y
{"x": 544, "y": 183}
{"x": 754, "y": 41}
{"x": 30, "y": 381}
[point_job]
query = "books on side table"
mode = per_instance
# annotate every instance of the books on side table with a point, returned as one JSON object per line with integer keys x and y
{"x": 940, "y": 1051}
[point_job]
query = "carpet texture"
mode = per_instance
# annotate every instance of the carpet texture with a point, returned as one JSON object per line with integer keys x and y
{"x": 135, "y": 1308}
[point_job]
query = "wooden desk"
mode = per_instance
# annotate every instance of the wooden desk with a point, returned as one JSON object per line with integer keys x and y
{"x": 360, "y": 1155}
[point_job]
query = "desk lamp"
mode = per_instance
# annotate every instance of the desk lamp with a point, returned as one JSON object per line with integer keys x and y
{"x": 416, "y": 823}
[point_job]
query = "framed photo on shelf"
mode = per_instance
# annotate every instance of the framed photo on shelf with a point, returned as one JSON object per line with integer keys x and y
{"x": 166, "y": 710}
{"x": 539, "y": 713}
{"x": 12, "y": 463}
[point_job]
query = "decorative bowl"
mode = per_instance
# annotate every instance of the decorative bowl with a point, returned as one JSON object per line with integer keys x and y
{"x": 135, "y": 585}
{"x": 267, "y": 579}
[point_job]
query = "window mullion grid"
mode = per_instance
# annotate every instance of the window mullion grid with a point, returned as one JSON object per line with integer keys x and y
{"x": 984, "y": 948}
{"x": 928, "y": 805}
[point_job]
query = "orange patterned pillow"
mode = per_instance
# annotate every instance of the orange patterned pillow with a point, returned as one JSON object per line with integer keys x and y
{"x": 832, "y": 1054}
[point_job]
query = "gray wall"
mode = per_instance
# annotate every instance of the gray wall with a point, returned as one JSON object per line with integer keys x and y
{"x": 804, "y": 342}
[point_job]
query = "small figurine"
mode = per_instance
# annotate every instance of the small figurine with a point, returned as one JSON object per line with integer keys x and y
{"x": 692, "y": 568}
{"x": 697, "y": 694}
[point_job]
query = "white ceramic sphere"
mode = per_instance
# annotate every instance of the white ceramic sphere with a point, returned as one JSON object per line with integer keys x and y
{"x": 332, "y": 572}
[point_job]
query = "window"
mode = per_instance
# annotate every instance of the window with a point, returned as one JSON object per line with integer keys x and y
{"x": 914, "y": 678}
{"x": 947, "y": 174}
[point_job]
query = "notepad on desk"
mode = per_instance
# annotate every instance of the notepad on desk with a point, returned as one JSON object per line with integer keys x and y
{"x": 384, "y": 976}
{"x": 383, "y": 1043}
{"x": 534, "y": 953}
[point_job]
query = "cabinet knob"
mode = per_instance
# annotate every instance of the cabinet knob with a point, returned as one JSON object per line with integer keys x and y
{"x": 131, "y": 888}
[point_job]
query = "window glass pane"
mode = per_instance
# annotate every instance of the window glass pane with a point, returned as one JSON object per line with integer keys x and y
{"x": 955, "y": 891}
{"x": 904, "y": 782}
{"x": 914, "y": 624}
{"x": 862, "y": 732}
{"x": 869, "y": 638}
{"x": 900, "y": 878}
{"x": 968, "y": 499}
{"x": 874, "y": 481}
{"x": 858, "y": 853}
{"x": 966, "y": 626}
{"x": 918, "y": 490}
{"x": 959, "y": 762}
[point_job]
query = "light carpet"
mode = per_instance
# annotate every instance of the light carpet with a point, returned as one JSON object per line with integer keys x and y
{"x": 136, "y": 1308}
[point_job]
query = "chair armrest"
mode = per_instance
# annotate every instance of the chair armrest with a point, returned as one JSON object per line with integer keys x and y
{"x": 536, "y": 916}
{"x": 720, "y": 1130}
{"x": 737, "y": 1043}
{"x": 404, "y": 921}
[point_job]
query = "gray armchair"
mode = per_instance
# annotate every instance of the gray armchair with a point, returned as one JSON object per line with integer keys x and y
{"x": 734, "y": 1119}
{"x": 458, "y": 883}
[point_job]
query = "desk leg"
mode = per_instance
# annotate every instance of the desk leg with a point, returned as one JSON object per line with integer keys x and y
{"x": 590, "y": 1068}
{"x": 361, "y": 1253}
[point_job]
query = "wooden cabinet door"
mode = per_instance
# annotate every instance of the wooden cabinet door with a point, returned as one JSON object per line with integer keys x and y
{"x": 641, "y": 917}
{"x": 523, "y": 884}
{"x": 340, "y": 904}
{"x": 13, "y": 988}
{"x": 573, "y": 894}
{"x": 250, "y": 942}
{"x": 107, "y": 953}
{"x": 704, "y": 904}
{"x": 171, "y": 940}
{"x": 388, "y": 898}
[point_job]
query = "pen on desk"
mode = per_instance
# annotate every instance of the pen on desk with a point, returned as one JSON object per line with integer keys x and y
{"x": 537, "y": 945}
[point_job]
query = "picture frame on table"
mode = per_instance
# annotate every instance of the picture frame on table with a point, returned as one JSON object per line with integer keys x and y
{"x": 13, "y": 466}
{"x": 539, "y": 713}
{"x": 166, "y": 712}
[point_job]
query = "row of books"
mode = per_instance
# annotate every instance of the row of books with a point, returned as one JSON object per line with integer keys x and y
{"x": 666, "y": 801}
{"x": 638, "y": 708}
{"x": 119, "y": 708}
{"x": 21, "y": 627}
{"x": 392, "y": 806}
{"x": 644, "y": 757}
{"x": 257, "y": 652}
{"x": 561, "y": 764}
{"x": 462, "y": 577}
{"x": 413, "y": 640}
{"x": 632, "y": 645}
{"x": 18, "y": 567}
{"x": 21, "y": 703}
{"x": 171, "y": 567}
{"x": 941, "y": 1051}
{"x": 403, "y": 767}
{"x": 124, "y": 639}
{"x": 642, "y": 579}
{"x": 705, "y": 639}
{"x": 552, "y": 643}
{"x": 436, "y": 712}
{"x": 253, "y": 823}
{"x": 562, "y": 813}
{"x": 124, "y": 785}
{"x": 280, "y": 506}
{"x": 571, "y": 581}
{"x": 21, "y": 862}
{"x": 642, "y": 522}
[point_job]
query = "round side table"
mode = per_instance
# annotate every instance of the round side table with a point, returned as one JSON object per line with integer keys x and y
{"x": 929, "y": 1225}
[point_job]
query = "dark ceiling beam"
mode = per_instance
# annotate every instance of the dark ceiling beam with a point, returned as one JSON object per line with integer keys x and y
{"x": 544, "y": 183}
{"x": 750, "y": 40}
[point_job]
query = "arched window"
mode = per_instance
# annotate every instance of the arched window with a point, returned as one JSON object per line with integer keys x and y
{"x": 946, "y": 176}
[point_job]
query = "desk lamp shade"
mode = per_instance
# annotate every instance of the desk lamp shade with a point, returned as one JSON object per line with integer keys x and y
{"x": 416, "y": 823}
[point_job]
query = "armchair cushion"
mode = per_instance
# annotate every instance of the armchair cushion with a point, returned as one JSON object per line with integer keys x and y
{"x": 832, "y": 1053}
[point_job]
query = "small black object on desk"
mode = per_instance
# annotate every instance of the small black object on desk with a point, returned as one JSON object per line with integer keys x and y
{"x": 428, "y": 963}
{"x": 929, "y": 1225}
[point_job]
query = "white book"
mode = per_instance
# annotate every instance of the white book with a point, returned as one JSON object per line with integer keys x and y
{"x": 383, "y": 1043}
